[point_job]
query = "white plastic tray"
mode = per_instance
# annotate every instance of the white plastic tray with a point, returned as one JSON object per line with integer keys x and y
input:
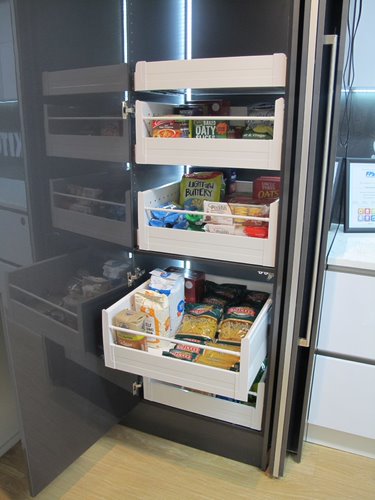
{"x": 239, "y": 153}
{"x": 257, "y": 251}
{"x": 220, "y": 72}
{"x": 152, "y": 364}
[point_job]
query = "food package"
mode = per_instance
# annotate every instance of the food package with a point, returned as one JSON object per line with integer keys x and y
{"x": 171, "y": 129}
{"x": 199, "y": 186}
{"x": 200, "y": 321}
{"x": 259, "y": 129}
{"x": 172, "y": 285}
{"x": 236, "y": 323}
{"x": 210, "y": 129}
{"x": 130, "y": 320}
{"x": 266, "y": 188}
{"x": 194, "y": 283}
{"x": 219, "y": 359}
{"x": 155, "y": 305}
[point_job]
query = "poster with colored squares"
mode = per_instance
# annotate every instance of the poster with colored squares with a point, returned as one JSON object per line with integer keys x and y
{"x": 361, "y": 196}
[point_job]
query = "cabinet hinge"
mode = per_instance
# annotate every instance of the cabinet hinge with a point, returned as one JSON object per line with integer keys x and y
{"x": 133, "y": 277}
{"x": 136, "y": 388}
{"x": 126, "y": 110}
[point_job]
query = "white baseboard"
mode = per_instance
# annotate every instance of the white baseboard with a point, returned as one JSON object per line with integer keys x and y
{"x": 351, "y": 443}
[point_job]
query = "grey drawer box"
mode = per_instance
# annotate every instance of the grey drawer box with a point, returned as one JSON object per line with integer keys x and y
{"x": 34, "y": 303}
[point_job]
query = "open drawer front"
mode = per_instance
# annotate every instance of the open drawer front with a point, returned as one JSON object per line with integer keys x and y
{"x": 61, "y": 298}
{"x": 248, "y": 414}
{"x": 264, "y": 154}
{"x": 224, "y": 247}
{"x": 209, "y": 379}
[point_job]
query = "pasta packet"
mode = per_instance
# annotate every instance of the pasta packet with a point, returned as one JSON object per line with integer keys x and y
{"x": 200, "y": 321}
{"x": 219, "y": 359}
{"x": 236, "y": 323}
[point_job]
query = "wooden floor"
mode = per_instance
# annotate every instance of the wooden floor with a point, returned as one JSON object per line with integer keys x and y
{"x": 127, "y": 464}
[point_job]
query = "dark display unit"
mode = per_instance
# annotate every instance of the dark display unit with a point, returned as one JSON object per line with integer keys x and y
{"x": 81, "y": 92}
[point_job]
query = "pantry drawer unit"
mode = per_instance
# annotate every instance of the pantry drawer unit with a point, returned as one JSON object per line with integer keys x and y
{"x": 36, "y": 299}
{"x": 244, "y": 414}
{"x": 225, "y": 247}
{"x": 154, "y": 365}
{"x": 262, "y": 154}
{"x": 96, "y": 205}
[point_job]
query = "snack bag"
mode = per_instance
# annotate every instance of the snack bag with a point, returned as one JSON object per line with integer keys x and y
{"x": 259, "y": 129}
{"x": 199, "y": 186}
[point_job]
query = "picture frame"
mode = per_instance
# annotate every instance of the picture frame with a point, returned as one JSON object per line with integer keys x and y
{"x": 360, "y": 196}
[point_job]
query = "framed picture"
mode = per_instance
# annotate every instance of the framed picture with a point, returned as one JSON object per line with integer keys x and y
{"x": 360, "y": 195}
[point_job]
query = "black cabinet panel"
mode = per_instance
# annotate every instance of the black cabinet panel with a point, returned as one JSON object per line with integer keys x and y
{"x": 65, "y": 404}
{"x": 239, "y": 28}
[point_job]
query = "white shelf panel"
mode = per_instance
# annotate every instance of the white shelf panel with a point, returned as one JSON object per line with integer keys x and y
{"x": 152, "y": 364}
{"x": 262, "y": 154}
{"x": 257, "y": 251}
{"x": 220, "y": 72}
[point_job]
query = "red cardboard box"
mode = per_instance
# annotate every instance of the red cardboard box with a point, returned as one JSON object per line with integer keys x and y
{"x": 266, "y": 188}
{"x": 194, "y": 283}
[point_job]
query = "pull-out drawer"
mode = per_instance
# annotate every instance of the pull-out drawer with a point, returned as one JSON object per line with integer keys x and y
{"x": 96, "y": 205}
{"x": 153, "y": 364}
{"x": 95, "y": 79}
{"x": 264, "y": 154}
{"x": 245, "y": 414}
{"x": 81, "y": 131}
{"x": 41, "y": 298}
{"x": 218, "y": 72}
{"x": 226, "y": 247}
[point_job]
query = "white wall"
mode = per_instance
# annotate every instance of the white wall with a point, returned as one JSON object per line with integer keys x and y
{"x": 364, "y": 47}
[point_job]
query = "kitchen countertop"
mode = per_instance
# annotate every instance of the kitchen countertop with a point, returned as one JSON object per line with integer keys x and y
{"x": 353, "y": 251}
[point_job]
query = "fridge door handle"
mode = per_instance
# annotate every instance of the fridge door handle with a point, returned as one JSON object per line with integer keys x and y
{"x": 328, "y": 40}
